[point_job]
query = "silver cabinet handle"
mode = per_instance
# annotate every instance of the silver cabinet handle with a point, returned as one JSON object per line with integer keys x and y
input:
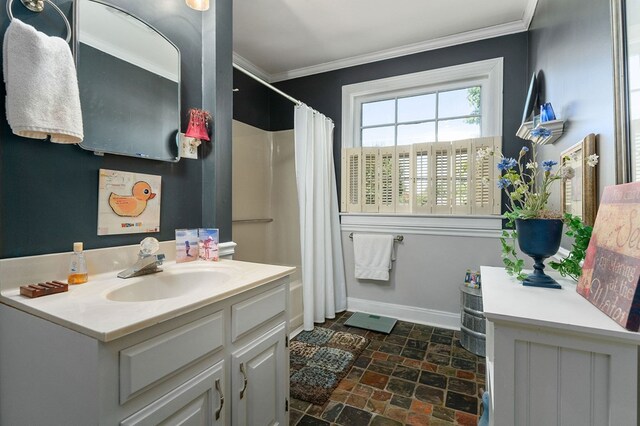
{"x": 219, "y": 389}
{"x": 244, "y": 374}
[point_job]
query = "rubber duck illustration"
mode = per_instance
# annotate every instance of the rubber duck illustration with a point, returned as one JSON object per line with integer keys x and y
{"x": 132, "y": 205}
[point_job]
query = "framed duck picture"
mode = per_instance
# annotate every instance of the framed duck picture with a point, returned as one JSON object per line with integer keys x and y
{"x": 128, "y": 203}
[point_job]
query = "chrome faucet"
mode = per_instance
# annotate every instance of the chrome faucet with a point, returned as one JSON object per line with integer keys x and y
{"x": 148, "y": 262}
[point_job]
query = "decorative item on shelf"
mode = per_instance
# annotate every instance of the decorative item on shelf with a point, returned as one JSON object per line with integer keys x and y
{"x": 546, "y": 112}
{"x": 538, "y": 230}
{"x": 611, "y": 268}
{"x": 198, "y": 127}
{"x": 541, "y": 133}
{"x": 579, "y": 194}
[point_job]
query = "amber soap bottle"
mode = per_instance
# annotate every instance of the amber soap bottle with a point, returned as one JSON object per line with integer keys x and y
{"x": 77, "y": 266}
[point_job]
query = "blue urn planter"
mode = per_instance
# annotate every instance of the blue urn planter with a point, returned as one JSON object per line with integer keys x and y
{"x": 539, "y": 239}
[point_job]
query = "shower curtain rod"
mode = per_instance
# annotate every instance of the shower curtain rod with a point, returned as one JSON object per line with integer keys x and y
{"x": 275, "y": 89}
{"x": 261, "y": 81}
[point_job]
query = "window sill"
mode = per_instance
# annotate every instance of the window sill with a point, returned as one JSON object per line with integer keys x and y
{"x": 485, "y": 226}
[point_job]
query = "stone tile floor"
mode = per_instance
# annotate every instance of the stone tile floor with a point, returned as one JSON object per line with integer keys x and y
{"x": 417, "y": 375}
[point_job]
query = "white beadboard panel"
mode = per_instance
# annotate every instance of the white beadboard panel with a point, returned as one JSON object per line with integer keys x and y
{"x": 522, "y": 378}
{"x": 600, "y": 382}
{"x": 560, "y": 386}
{"x": 541, "y": 391}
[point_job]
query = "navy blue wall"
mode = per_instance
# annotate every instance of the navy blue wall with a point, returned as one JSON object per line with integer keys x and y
{"x": 323, "y": 92}
{"x": 48, "y": 192}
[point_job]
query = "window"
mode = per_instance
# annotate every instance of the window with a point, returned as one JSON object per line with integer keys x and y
{"x": 428, "y": 117}
{"x": 410, "y": 142}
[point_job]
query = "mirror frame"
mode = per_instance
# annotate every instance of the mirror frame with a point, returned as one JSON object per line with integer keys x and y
{"x": 75, "y": 41}
{"x": 622, "y": 128}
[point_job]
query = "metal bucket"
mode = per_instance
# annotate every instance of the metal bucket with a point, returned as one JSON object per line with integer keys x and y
{"x": 473, "y": 324}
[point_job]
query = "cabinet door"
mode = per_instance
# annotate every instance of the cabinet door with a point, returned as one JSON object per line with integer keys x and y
{"x": 197, "y": 402}
{"x": 259, "y": 381}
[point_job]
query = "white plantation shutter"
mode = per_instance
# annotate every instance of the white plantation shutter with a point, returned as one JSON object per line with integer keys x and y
{"x": 441, "y": 169}
{"x": 460, "y": 179}
{"x": 422, "y": 179}
{"x": 370, "y": 172}
{"x": 404, "y": 175}
{"x": 351, "y": 177}
{"x": 387, "y": 179}
{"x": 485, "y": 194}
{"x": 440, "y": 177}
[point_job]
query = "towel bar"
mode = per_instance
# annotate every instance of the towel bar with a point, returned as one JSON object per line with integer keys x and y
{"x": 398, "y": 238}
{"x": 38, "y": 6}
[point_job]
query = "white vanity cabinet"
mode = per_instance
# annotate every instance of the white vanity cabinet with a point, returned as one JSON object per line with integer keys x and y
{"x": 225, "y": 363}
{"x": 555, "y": 359}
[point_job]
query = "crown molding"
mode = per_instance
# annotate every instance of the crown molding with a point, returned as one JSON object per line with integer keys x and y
{"x": 529, "y": 11}
{"x": 439, "y": 43}
{"x": 252, "y": 68}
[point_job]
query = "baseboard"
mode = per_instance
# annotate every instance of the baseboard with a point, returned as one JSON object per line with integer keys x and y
{"x": 449, "y": 320}
{"x": 295, "y": 332}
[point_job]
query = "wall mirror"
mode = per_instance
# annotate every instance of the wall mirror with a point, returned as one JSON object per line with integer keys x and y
{"x": 626, "y": 66}
{"x": 129, "y": 79}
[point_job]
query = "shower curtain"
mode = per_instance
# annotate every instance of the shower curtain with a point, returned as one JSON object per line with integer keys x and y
{"x": 323, "y": 279}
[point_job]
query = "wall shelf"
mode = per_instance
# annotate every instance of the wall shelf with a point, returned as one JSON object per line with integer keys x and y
{"x": 556, "y": 127}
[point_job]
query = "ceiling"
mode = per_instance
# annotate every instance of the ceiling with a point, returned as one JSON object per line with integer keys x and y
{"x": 282, "y": 39}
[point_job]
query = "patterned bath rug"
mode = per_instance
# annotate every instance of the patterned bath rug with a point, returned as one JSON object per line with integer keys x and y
{"x": 319, "y": 360}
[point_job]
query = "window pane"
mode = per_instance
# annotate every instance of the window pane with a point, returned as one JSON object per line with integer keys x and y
{"x": 458, "y": 103}
{"x": 378, "y": 136}
{"x": 380, "y": 112}
{"x": 417, "y": 108}
{"x": 416, "y": 133}
{"x": 462, "y": 128}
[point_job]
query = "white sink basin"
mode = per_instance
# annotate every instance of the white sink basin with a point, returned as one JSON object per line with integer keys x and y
{"x": 167, "y": 285}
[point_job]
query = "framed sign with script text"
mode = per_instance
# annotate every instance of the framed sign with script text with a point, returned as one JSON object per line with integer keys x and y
{"x": 611, "y": 267}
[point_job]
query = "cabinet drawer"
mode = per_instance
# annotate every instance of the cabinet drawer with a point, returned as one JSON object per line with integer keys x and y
{"x": 252, "y": 312}
{"x": 152, "y": 360}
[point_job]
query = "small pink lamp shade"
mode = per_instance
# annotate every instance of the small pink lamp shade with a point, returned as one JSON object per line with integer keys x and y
{"x": 200, "y": 5}
{"x": 197, "y": 127}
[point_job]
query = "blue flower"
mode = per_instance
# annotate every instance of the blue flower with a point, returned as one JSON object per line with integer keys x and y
{"x": 507, "y": 164}
{"x": 524, "y": 149}
{"x": 541, "y": 132}
{"x": 503, "y": 183}
{"x": 547, "y": 165}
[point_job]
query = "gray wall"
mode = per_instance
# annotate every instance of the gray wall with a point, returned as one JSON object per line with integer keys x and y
{"x": 48, "y": 192}
{"x": 570, "y": 42}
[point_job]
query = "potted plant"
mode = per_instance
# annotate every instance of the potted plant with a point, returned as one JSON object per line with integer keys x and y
{"x": 537, "y": 229}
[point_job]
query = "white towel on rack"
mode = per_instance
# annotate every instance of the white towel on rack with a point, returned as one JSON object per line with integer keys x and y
{"x": 373, "y": 256}
{"x": 42, "y": 85}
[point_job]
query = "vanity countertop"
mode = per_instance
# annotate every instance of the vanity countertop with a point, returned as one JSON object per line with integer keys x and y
{"x": 86, "y": 308}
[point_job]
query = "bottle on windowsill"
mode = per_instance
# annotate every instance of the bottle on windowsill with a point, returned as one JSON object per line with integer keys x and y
{"x": 77, "y": 266}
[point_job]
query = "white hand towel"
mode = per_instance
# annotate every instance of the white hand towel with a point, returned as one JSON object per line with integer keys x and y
{"x": 42, "y": 85}
{"x": 372, "y": 255}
